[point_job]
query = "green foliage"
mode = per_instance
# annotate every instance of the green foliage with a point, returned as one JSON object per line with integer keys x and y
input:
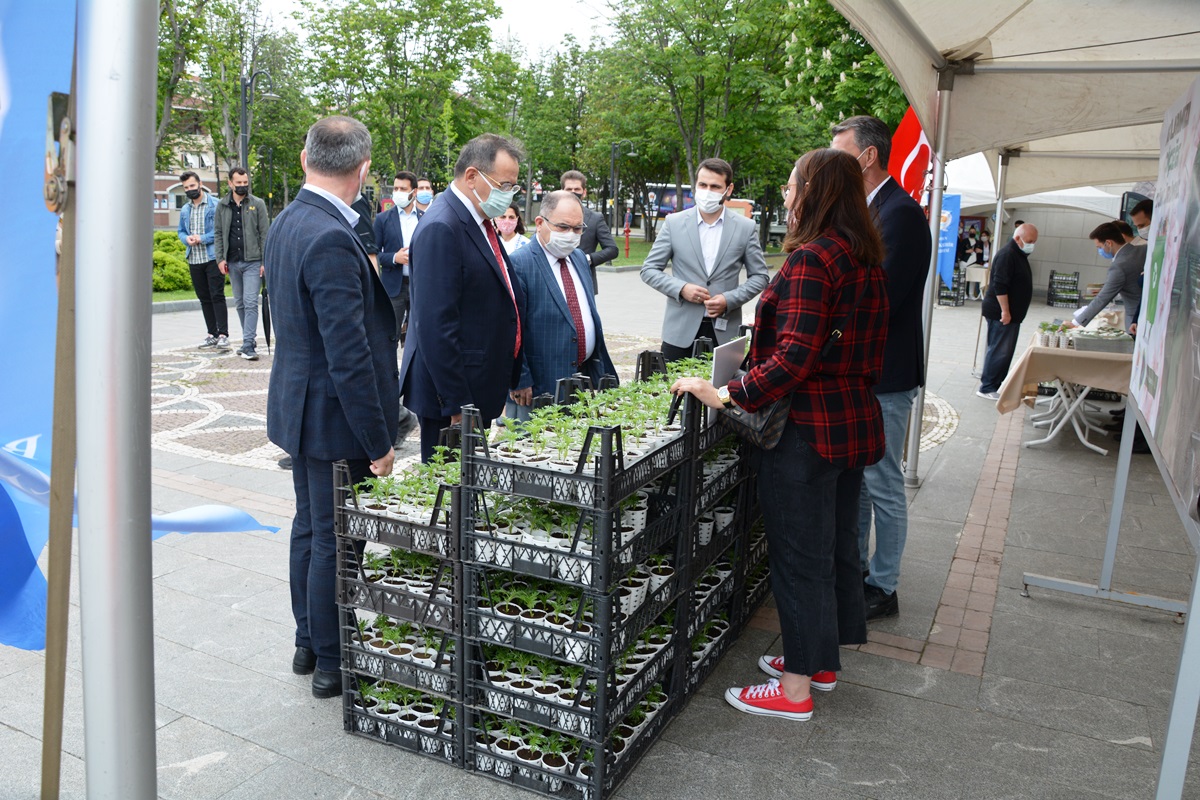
{"x": 171, "y": 271}
{"x": 168, "y": 242}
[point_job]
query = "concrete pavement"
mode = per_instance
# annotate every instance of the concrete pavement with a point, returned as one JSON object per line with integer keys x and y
{"x": 973, "y": 691}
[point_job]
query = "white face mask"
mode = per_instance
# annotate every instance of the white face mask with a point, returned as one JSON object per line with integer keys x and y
{"x": 1144, "y": 232}
{"x": 707, "y": 201}
{"x": 562, "y": 243}
{"x": 402, "y": 199}
{"x": 1027, "y": 248}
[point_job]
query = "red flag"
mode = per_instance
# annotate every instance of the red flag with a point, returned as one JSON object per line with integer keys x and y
{"x": 910, "y": 155}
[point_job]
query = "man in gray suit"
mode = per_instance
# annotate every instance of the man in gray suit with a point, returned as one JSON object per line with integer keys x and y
{"x": 1124, "y": 275}
{"x": 708, "y": 249}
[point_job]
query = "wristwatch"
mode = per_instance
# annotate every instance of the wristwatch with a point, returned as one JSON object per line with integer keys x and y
{"x": 723, "y": 396}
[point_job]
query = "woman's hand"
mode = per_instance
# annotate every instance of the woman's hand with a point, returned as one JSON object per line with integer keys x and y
{"x": 701, "y": 389}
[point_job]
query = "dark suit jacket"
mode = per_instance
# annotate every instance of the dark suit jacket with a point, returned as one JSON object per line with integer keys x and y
{"x": 550, "y": 341}
{"x": 390, "y": 238}
{"x": 333, "y": 392}
{"x": 596, "y": 235}
{"x": 907, "y": 251}
{"x": 462, "y": 323}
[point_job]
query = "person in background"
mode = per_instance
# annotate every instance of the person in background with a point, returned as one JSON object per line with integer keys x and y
{"x": 809, "y": 483}
{"x": 1128, "y": 233}
{"x": 424, "y": 194}
{"x": 1010, "y": 291}
{"x": 393, "y": 230}
{"x": 596, "y": 234}
{"x": 1141, "y": 215}
{"x": 907, "y": 249}
{"x": 512, "y": 229}
{"x": 241, "y": 230}
{"x": 197, "y": 228}
{"x": 1123, "y": 278}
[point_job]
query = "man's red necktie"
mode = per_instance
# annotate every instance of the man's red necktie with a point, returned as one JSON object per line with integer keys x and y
{"x": 576, "y": 311}
{"x": 495, "y": 241}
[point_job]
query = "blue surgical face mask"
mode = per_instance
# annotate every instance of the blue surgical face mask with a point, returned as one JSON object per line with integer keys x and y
{"x": 1105, "y": 253}
{"x": 424, "y": 197}
{"x": 497, "y": 201}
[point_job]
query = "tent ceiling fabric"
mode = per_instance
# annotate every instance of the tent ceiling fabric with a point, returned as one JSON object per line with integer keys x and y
{"x": 1032, "y": 69}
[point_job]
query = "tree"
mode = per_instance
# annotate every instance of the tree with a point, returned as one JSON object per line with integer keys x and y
{"x": 180, "y": 37}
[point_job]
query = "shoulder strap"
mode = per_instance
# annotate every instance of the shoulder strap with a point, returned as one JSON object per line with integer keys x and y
{"x": 836, "y": 333}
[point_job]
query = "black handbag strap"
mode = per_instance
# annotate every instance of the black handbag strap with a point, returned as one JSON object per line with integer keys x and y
{"x": 834, "y": 336}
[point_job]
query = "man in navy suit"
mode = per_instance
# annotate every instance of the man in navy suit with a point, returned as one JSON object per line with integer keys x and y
{"x": 333, "y": 392}
{"x": 463, "y": 320}
{"x": 394, "y": 230}
{"x": 907, "y": 247}
{"x": 560, "y": 325}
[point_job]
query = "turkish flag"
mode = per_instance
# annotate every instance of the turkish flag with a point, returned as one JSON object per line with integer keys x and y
{"x": 910, "y": 155}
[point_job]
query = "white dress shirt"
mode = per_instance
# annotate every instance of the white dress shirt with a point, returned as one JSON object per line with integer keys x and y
{"x": 408, "y": 226}
{"x": 710, "y": 239}
{"x": 585, "y": 306}
{"x": 875, "y": 191}
{"x": 483, "y": 224}
{"x": 346, "y": 211}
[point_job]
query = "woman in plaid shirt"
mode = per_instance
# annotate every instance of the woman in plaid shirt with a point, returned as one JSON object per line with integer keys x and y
{"x": 809, "y": 483}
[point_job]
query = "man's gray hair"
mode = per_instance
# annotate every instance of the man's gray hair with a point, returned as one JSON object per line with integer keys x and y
{"x": 481, "y": 153}
{"x": 550, "y": 201}
{"x": 336, "y": 146}
{"x": 868, "y": 132}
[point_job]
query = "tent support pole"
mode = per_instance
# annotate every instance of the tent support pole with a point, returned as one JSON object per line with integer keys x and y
{"x": 116, "y": 161}
{"x": 945, "y": 87}
{"x": 1001, "y": 183}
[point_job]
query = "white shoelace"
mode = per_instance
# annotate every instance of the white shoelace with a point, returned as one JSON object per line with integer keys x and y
{"x": 764, "y": 691}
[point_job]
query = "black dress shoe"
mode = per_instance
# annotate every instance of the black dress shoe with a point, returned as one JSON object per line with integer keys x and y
{"x": 879, "y": 603}
{"x": 304, "y": 662}
{"x": 326, "y": 684}
{"x": 285, "y": 462}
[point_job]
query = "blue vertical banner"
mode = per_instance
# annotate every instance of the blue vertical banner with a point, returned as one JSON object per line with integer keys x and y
{"x": 948, "y": 237}
{"x": 36, "y": 44}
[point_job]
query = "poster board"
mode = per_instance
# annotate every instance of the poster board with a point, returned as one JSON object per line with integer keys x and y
{"x": 1166, "y": 359}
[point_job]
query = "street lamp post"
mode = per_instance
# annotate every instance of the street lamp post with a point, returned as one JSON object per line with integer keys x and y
{"x": 613, "y": 180}
{"x": 244, "y": 112}
{"x": 270, "y": 176}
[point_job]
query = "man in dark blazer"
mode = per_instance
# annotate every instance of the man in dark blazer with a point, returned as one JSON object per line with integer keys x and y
{"x": 394, "y": 230}
{"x": 333, "y": 392}
{"x": 596, "y": 233}
{"x": 561, "y": 329}
{"x": 463, "y": 322}
{"x": 907, "y": 251}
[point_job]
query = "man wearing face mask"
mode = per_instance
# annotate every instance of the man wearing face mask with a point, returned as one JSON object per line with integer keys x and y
{"x": 333, "y": 393}
{"x": 707, "y": 250}
{"x": 424, "y": 194}
{"x": 1123, "y": 278}
{"x": 464, "y": 328}
{"x": 197, "y": 223}
{"x": 561, "y": 326}
{"x": 1141, "y": 215}
{"x": 241, "y": 230}
{"x": 394, "y": 230}
{"x": 1010, "y": 291}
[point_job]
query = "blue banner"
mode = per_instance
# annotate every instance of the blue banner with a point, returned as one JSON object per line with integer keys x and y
{"x": 948, "y": 237}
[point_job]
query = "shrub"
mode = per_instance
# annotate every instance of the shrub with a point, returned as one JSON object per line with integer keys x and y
{"x": 168, "y": 242}
{"x": 170, "y": 272}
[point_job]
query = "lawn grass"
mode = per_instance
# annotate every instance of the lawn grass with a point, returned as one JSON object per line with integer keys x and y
{"x": 178, "y": 294}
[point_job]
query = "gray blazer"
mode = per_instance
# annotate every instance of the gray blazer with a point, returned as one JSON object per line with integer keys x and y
{"x": 1125, "y": 278}
{"x": 679, "y": 243}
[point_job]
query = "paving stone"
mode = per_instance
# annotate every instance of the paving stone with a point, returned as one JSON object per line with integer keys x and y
{"x": 218, "y": 582}
{"x": 230, "y": 634}
{"x": 22, "y": 773}
{"x": 264, "y": 554}
{"x": 708, "y": 724}
{"x": 197, "y": 761}
{"x": 1086, "y": 714}
{"x": 296, "y": 781}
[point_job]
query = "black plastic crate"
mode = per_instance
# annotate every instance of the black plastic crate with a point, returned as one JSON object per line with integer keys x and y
{"x": 431, "y": 603}
{"x": 703, "y": 660}
{"x": 426, "y": 661}
{"x": 600, "y": 478}
{"x": 421, "y": 728}
{"x": 432, "y": 530}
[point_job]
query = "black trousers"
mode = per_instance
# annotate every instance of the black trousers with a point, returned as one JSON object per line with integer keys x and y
{"x": 400, "y": 307}
{"x": 673, "y": 353}
{"x": 209, "y": 284}
{"x": 810, "y": 510}
{"x": 1001, "y": 345}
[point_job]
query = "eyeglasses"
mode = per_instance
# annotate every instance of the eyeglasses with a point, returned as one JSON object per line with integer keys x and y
{"x": 786, "y": 189}
{"x": 504, "y": 187}
{"x": 562, "y": 228}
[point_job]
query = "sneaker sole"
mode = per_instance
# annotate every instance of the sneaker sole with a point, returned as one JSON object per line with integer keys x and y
{"x": 732, "y": 698}
{"x": 764, "y": 664}
{"x": 248, "y": 357}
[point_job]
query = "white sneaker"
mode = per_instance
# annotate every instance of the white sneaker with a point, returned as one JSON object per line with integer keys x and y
{"x": 222, "y": 342}
{"x": 210, "y": 341}
{"x": 988, "y": 395}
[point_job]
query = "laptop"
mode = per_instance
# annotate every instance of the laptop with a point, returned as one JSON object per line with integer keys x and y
{"x": 727, "y": 359}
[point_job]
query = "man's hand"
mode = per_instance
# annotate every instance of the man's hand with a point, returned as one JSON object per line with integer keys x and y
{"x": 1133, "y": 329}
{"x": 262, "y": 270}
{"x": 383, "y": 466}
{"x": 1071, "y": 323}
{"x": 455, "y": 419}
{"x": 193, "y": 239}
{"x": 401, "y": 256}
{"x": 715, "y": 306}
{"x": 1005, "y": 317}
{"x": 693, "y": 293}
{"x": 522, "y": 397}
{"x": 223, "y": 266}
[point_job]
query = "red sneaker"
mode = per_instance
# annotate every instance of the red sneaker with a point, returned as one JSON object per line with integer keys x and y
{"x": 767, "y": 699}
{"x": 823, "y": 681}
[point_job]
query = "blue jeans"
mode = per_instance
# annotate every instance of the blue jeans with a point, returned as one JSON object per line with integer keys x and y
{"x": 245, "y": 280}
{"x": 312, "y": 565}
{"x": 883, "y": 491}
{"x": 810, "y": 511}
{"x": 1001, "y": 344}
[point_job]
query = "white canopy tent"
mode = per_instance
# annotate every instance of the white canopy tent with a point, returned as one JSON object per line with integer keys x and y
{"x": 971, "y": 179}
{"x": 1028, "y": 80}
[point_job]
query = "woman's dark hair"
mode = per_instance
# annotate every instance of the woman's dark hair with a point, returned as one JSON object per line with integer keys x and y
{"x": 516, "y": 209}
{"x": 830, "y": 194}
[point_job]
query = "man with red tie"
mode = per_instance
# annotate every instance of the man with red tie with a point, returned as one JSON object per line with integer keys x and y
{"x": 464, "y": 331}
{"x": 561, "y": 329}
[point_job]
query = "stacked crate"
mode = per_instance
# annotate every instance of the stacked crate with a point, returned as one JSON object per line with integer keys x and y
{"x": 1063, "y": 290}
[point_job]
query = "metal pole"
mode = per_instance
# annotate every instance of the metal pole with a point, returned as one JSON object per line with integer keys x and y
{"x": 945, "y": 87}
{"x": 116, "y": 161}
{"x": 1181, "y": 722}
{"x": 243, "y": 126}
{"x": 612, "y": 183}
